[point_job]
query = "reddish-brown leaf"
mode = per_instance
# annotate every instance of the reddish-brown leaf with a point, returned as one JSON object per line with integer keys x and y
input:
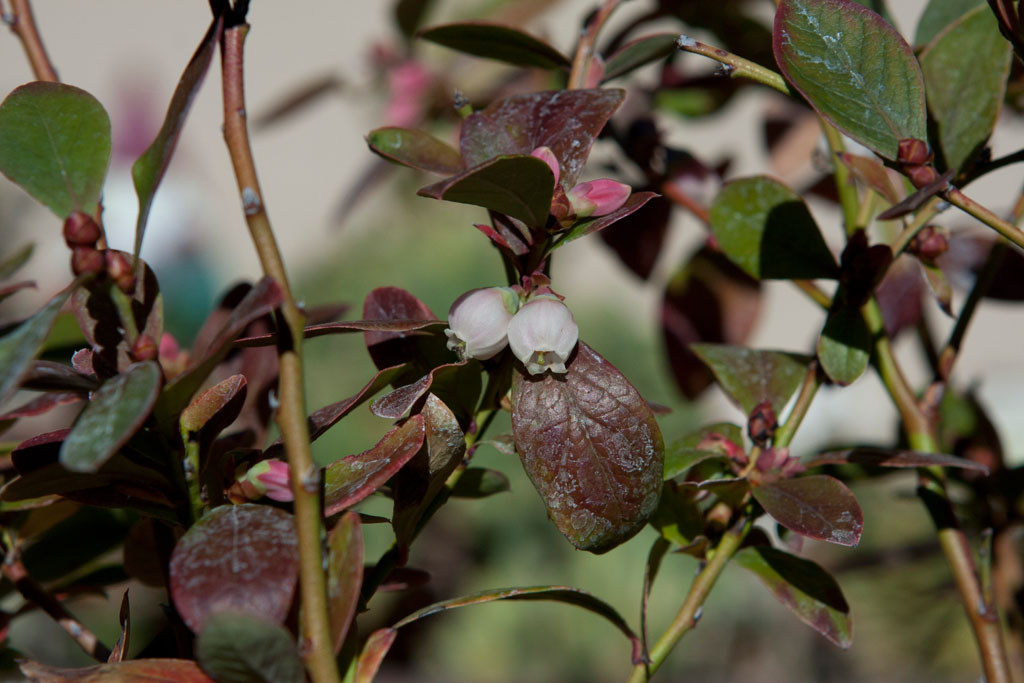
{"x": 817, "y": 506}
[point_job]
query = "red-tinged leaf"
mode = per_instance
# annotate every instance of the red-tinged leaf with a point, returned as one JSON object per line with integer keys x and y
{"x": 915, "y": 201}
{"x": 709, "y": 300}
{"x": 9, "y": 265}
{"x": 215, "y": 408}
{"x": 638, "y": 238}
{"x": 298, "y": 97}
{"x": 14, "y": 288}
{"x": 457, "y": 384}
{"x": 124, "y": 618}
{"x": 751, "y": 377}
{"x": 114, "y": 414}
{"x": 353, "y": 478}
{"x": 566, "y": 121}
{"x": 344, "y": 574}
{"x": 900, "y": 295}
{"x": 592, "y": 449}
{"x": 498, "y": 42}
{"x": 425, "y": 475}
{"x": 639, "y": 52}
{"x": 135, "y": 671}
{"x": 519, "y": 186}
{"x": 380, "y": 641}
{"x": 804, "y": 587}
{"x": 247, "y": 647}
{"x": 344, "y": 327}
{"x": 237, "y": 557}
{"x": 258, "y": 302}
{"x": 148, "y": 170}
{"x": 42, "y": 404}
{"x": 479, "y": 482}
{"x": 420, "y": 350}
{"x": 884, "y": 457}
{"x": 817, "y": 506}
{"x": 854, "y": 68}
{"x": 940, "y": 287}
{"x": 19, "y": 347}
{"x": 872, "y": 173}
{"x": 592, "y": 225}
{"x": 415, "y": 149}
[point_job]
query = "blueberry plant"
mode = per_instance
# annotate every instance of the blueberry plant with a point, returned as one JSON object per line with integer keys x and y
{"x": 260, "y": 549}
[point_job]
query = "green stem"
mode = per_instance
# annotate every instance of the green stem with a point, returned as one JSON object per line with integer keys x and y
{"x": 845, "y": 187}
{"x": 291, "y": 415}
{"x": 814, "y": 293}
{"x": 1003, "y": 227}
{"x": 701, "y": 587}
{"x": 925, "y": 214}
{"x": 191, "y": 470}
{"x": 738, "y": 66}
{"x": 812, "y": 380}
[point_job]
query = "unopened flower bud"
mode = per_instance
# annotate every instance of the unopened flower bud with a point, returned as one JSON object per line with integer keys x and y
{"x": 913, "y": 151}
{"x": 119, "y": 269}
{"x": 268, "y": 478}
{"x": 87, "y": 261}
{"x": 921, "y": 176}
{"x": 144, "y": 348}
{"x": 929, "y": 244}
{"x": 598, "y": 197}
{"x": 478, "y": 322}
{"x": 543, "y": 334}
{"x": 761, "y": 424}
{"x": 548, "y": 157}
{"x": 80, "y": 230}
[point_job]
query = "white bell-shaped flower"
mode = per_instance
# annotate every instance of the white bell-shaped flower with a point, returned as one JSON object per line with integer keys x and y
{"x": 543, "y": 334}
{"x": 478, "y": 321}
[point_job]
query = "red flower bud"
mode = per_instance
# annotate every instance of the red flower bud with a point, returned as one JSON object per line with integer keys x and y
{"x": 119, "y": 269}
{"x": 913, "y": 152}
{"x": 144, "y": 348}
{"x": 80, "y": 230}
{"x": 87, "y": 261}
{"x": 929, "y": 244}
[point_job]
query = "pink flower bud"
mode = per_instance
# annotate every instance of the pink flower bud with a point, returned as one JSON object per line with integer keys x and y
{"x": 548, "y": 157}
{"x": 478, "y": 320}
{"x": 543, "y": 334}
{"x": 267, "y": 478}
{"x": 598, "y": 197}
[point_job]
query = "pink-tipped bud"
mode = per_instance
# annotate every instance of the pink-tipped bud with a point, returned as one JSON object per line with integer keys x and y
{"x": 119, "y": 269}
{"x": 543, "y": 334}
{"x": 268, "y": 478}
{"x": 144, "y": 348}
{"x": 80, "y": 230}
{"x": 87, "y": 261}
{"x": 598, "y": 197}
{"x": 478, "y": 321}
{"x": 548, "y": 157}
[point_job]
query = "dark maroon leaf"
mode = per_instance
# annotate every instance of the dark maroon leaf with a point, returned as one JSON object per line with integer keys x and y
{"x": 215, "y": 408}
{"x": 817, "y": 506}
{"x": 135, "y": 671}
{"x": 885, "y": 457}
{"x": 751, "y": 377}
{"x": 19, "y": 347}
{"x": 804, "y": 587}
{"x": 296, "y": 99}
{"x": 42, "y": 404}
{"x": 709, "y": 300}
{"x": 566, "y": 121}
{"x": 345, "y": 327}
{"x": 590, "y": 226}
{"x": 44, "y": 375}
{"x": 120, "y": 648}
{"x": 591, "y": 447}
{"x": 479, "y": 482}
{"x": 380, "y": 641}
{"x": 498, "y": 42}
{"x": 353, "y": 478}
{"x": 638, "y": 238}
{"x": 420, "y": 350}
{"x": 237, "y": 557}
{"x": 415, "y": 149}
{"x": 403, "y": 578}
{"x": 148, "y": 170}
{"x": 344, "y": 574}
{"x": 900, "y": 295}
{"x": 639, "y": 52}
{"x": 519, "y": 186}
{"x": 457, "y": 384}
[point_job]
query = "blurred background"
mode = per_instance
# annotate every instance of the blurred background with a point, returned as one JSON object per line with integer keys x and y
{"x": 347, "y": 224}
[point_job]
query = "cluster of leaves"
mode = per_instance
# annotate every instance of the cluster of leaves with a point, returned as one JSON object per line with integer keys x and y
{"x": 155, "y": 458}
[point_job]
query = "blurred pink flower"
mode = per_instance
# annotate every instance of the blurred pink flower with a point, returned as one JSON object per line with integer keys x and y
{"x": 408, "y": 84}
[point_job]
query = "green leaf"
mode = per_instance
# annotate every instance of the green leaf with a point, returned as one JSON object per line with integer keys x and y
{"x": 965, "y": 94}
{"x": 804, "y": 587}
{"x": 751, "y": 377}
{"x": 854, "y": 69}
{"x": 55, "y": 144}
{"x": 10, "y": 265}
{"x": 244, "y": 648}
{"x": 19, "y": 347}
{"x": 939, "y": 14}
{"x": 116, "y": 411}
{"x": 498, "y": 42}
{"x": 344, "y": 574}
{"x": 844, "y": 345}
{"x": 765, "y": 228}
{"x": 816, "y": 506}
{"x": 148, "y": 170}
{"x": 480, "y": 482}
{"x": 639, "y": 52}
{"x": 415, "y": 149}
{"x": 519, "y": 186}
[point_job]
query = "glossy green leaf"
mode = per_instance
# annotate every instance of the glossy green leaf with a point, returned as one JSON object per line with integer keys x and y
{"x": 498, "y": 42}
{"x": 591, "y": 447}
{"x": 639, "y": 52}
{"x": 55, "y": 143}
{"x": 344, "y": 574}
{"x": 678, "y": 518}
{"x": 816, "y": 506}
{"x": 115, "y": 412}
{"x": 518, "y": 186}
{"x": 480, "y": 482}
{"x": 19, "y": 347}
{"x": 679, "y": 460}
{"x": 966, "y": 93}
{"x": 938, "y": 14}
{"x": 415, "y": 149}
{"x": 844, "y": 346}
{"x": 804, "y": 587}
{"x": 854, "y": 69}
{"x": 243, "y": 647}
{"x": 765, "y": 228}
{"x": 751, "y": 377}
{"x": 148, "y": 170}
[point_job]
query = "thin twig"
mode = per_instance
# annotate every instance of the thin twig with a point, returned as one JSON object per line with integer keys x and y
{"x": 738, "y": 67}
{"x": 924, "y": 214}
{"x": 812, "y": 380}
{"x": 585, "y": 49}
{"x": 1003, "y": 227}
{"x": 23, "y": 24}
{"x": 291, "y": 415}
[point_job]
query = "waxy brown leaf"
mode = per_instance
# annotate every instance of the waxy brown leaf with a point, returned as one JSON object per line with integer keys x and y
{"x": 344, "y": 574}
{"x": 136, "y": 671}
{"x": 237, "y": 557}
{"x": 817, "y": 506}
{"x": 591, "y": 447}
{"x": 420, "y": 350}
{"x": 885, "y": 457}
